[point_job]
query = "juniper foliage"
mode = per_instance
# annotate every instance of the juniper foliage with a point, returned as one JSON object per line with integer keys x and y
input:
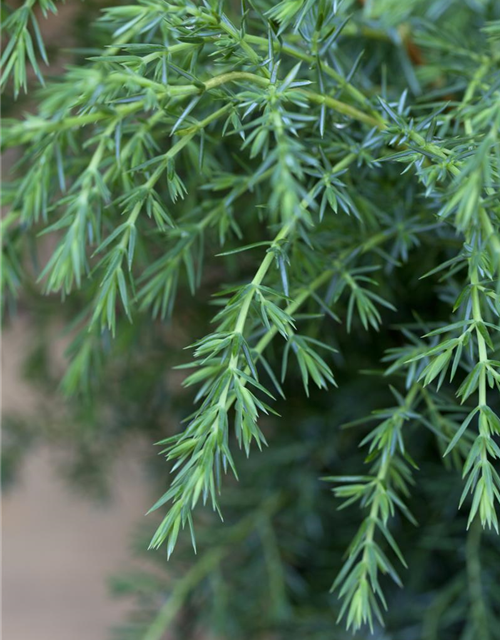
{"x": 328, "y": 172}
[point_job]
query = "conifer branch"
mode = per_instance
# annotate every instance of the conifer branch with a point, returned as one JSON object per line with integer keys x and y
{"x": 321, "y": 194}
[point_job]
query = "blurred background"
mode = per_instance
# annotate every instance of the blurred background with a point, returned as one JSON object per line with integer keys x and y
{"x": 60, "y": 545}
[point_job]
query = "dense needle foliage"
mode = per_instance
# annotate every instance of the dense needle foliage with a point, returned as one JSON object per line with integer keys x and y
{"x": 321, "y": 178}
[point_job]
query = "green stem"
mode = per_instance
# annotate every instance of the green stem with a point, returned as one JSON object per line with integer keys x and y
{"x": 474, "y": 582}
{"x": 380, "y": 480}
{"x": 304, "y": 295}
{"x": 483, "y": 359}
{"x": 206, "y": 121}
{"x": 373, "y": 515}
{"x": 257, "y": 280}
{"x": 247, "y": 301}
{"x": 483, "y": 354}
{"x": 182, "y": 588}
{"x": 268, "y": 260}
{"x": 79, "y": 121}
{"x": 311, "y": 60}
{"x": 245, "y": 76}
{"x": 206, "y": 565}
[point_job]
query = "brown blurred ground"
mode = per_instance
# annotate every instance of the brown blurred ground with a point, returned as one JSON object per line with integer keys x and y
{"x": 58, "y": 547}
